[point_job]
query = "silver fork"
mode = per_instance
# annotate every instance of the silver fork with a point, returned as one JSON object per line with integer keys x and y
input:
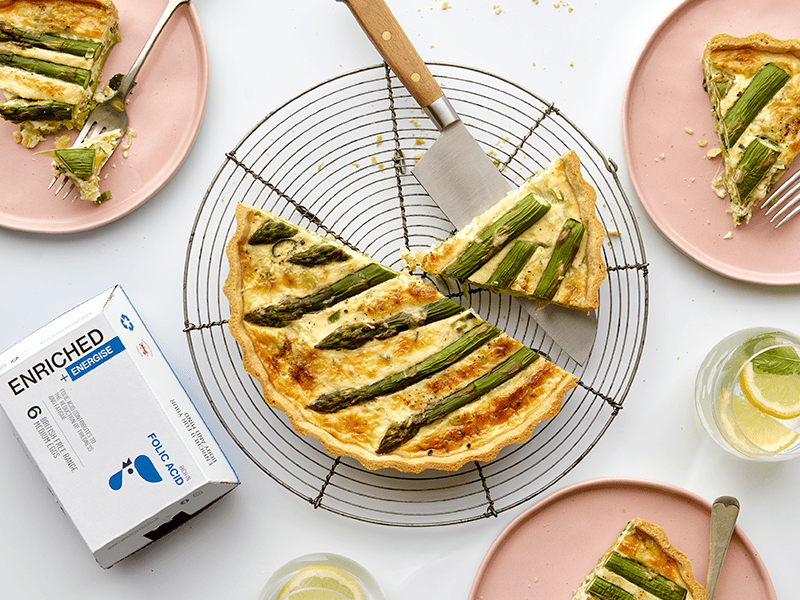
{"x": 785, "y": 197}
{"x": 111, "y": 114}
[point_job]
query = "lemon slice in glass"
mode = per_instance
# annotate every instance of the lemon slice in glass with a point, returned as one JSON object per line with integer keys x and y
{"x": 323, "y": 577}
{"x": 750, "y": 426}
{"x": 312, "y": 594}
{"x": 776, "y": 395}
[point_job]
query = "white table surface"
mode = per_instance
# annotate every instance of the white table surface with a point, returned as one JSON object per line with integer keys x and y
{"x": 270, "y": 51}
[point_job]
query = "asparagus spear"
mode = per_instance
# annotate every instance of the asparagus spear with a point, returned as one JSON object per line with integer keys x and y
{"x": 19, "y": 110}
{"x": 451, "y": 354}
{"x": 78, "y": 161}
{"x": 84, "y": 48}
{"x": 765, "y": 84}
{"x": 564, "y": 251}
{"x": 605, "y": 590}
{"x": 492, "y": 239}
{"x": 319, "y": 254}
{"x": 513, "y": 262}
{"x": 349, "y": 337}
{"x": 644, "y": 578}
{"x": 75, "y": 75}
{"x": 758, "y": 158}
{"x": 272, "y": 231}
{"x": 279, "y": 315}
{"x": 400, "y": 433}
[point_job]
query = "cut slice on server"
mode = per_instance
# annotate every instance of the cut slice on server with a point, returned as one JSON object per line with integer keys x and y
{"x": 51, "y": 57}
{"x": 541, "y": 241}
{"x": 754, "y": 87}
{"x": 641, "y": 564}
{"x": 377, "y": 364}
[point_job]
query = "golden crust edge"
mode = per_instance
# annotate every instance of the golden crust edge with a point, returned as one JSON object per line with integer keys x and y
{"x": 587, "y": 204}
{"x": 684, "y": 565}
{"x": 232, "y": 289}
{"x": 760, "y": 41}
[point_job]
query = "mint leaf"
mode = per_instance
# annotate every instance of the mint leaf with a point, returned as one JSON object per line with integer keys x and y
{"x": 782, "y": 360}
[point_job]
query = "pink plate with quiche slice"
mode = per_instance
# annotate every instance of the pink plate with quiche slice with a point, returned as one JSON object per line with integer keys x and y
{"x": 547, "y": 550}
{"x": 165, "y": 110}
{"x": 666, "y": 118}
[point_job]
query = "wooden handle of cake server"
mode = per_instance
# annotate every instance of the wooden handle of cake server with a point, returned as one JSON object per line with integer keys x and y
{"x": 388, "y": 37}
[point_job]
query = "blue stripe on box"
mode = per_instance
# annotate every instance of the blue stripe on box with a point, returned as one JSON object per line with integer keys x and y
{"x": 91, "y": 361}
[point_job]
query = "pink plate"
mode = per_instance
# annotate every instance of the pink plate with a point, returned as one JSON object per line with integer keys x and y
{"x": 547, "y": 550}
{"x": 165, "y": 110}
{"x": 669, "y": 169}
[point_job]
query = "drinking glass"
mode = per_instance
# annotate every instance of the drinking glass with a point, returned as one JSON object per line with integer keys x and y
{"x": 735, "y": 416}
{"x": 369, "y": 586}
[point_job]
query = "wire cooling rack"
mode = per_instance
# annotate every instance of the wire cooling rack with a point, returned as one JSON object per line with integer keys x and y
{"x": 336, "y": 159}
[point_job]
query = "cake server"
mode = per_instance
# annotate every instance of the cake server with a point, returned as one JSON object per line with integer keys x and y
{"x": 455, "y": 172}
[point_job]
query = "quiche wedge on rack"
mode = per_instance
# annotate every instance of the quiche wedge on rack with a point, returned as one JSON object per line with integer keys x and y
{"x": 542, "y": 241}
{"x": 377, "y": 364}
{"x": 641, "y": 564}
{"x": 753, "y": 84}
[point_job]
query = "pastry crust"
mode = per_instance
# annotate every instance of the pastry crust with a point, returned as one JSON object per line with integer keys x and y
{"x": 729, "y": 65}
{"x": 571, "y": 197}
{"x": 294, "y": 372}
{"x": 647, "y": 544}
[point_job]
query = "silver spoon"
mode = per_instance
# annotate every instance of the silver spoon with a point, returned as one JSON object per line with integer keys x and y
{"x": 723, "y": 520}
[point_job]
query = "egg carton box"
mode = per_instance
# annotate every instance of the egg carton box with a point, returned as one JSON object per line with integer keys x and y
{"x": 98, "y": 409}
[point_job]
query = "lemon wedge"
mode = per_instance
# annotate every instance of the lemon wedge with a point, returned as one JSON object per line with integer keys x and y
{"x": 749, "y": 426}
{"x": 316, "y": 579}
{"x": 776, "y": 395}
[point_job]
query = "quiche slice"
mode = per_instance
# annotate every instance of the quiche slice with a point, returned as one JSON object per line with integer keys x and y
{"x": 51, "y": 56}
{"x": 541, "y": 241}
{"x": 376, "y": 364}
{"x": 641, "y": 564}
{"x": 753, "y": 84}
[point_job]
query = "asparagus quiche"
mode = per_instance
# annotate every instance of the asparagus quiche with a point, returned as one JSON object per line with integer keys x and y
{"x": 51, "y": 56}
{"x": 541, "y": 241}
{"x": 754, "y": 87}
{"x": 374, "y": 363}
{"x": 82, "y": 163}
{"x": 641, "y": 564}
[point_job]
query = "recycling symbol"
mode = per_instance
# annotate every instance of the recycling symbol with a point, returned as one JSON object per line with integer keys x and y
{"x": 126, "y": 322}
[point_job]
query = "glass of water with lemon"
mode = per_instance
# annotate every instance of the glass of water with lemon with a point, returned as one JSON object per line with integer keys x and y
{"x": 321, "y": 576}
{"x": 747, "y": 394}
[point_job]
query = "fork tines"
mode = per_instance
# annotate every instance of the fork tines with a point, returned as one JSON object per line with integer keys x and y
{"x": 785, "y": 197}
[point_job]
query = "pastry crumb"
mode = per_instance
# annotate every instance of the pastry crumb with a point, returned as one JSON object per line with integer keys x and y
{"x": 446, "y": 5}
{"x": 689, "y": 130}
{"x": 728, "y": 236}
{"x": 702, "y": 143}
{"x": 713, "y": 153}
